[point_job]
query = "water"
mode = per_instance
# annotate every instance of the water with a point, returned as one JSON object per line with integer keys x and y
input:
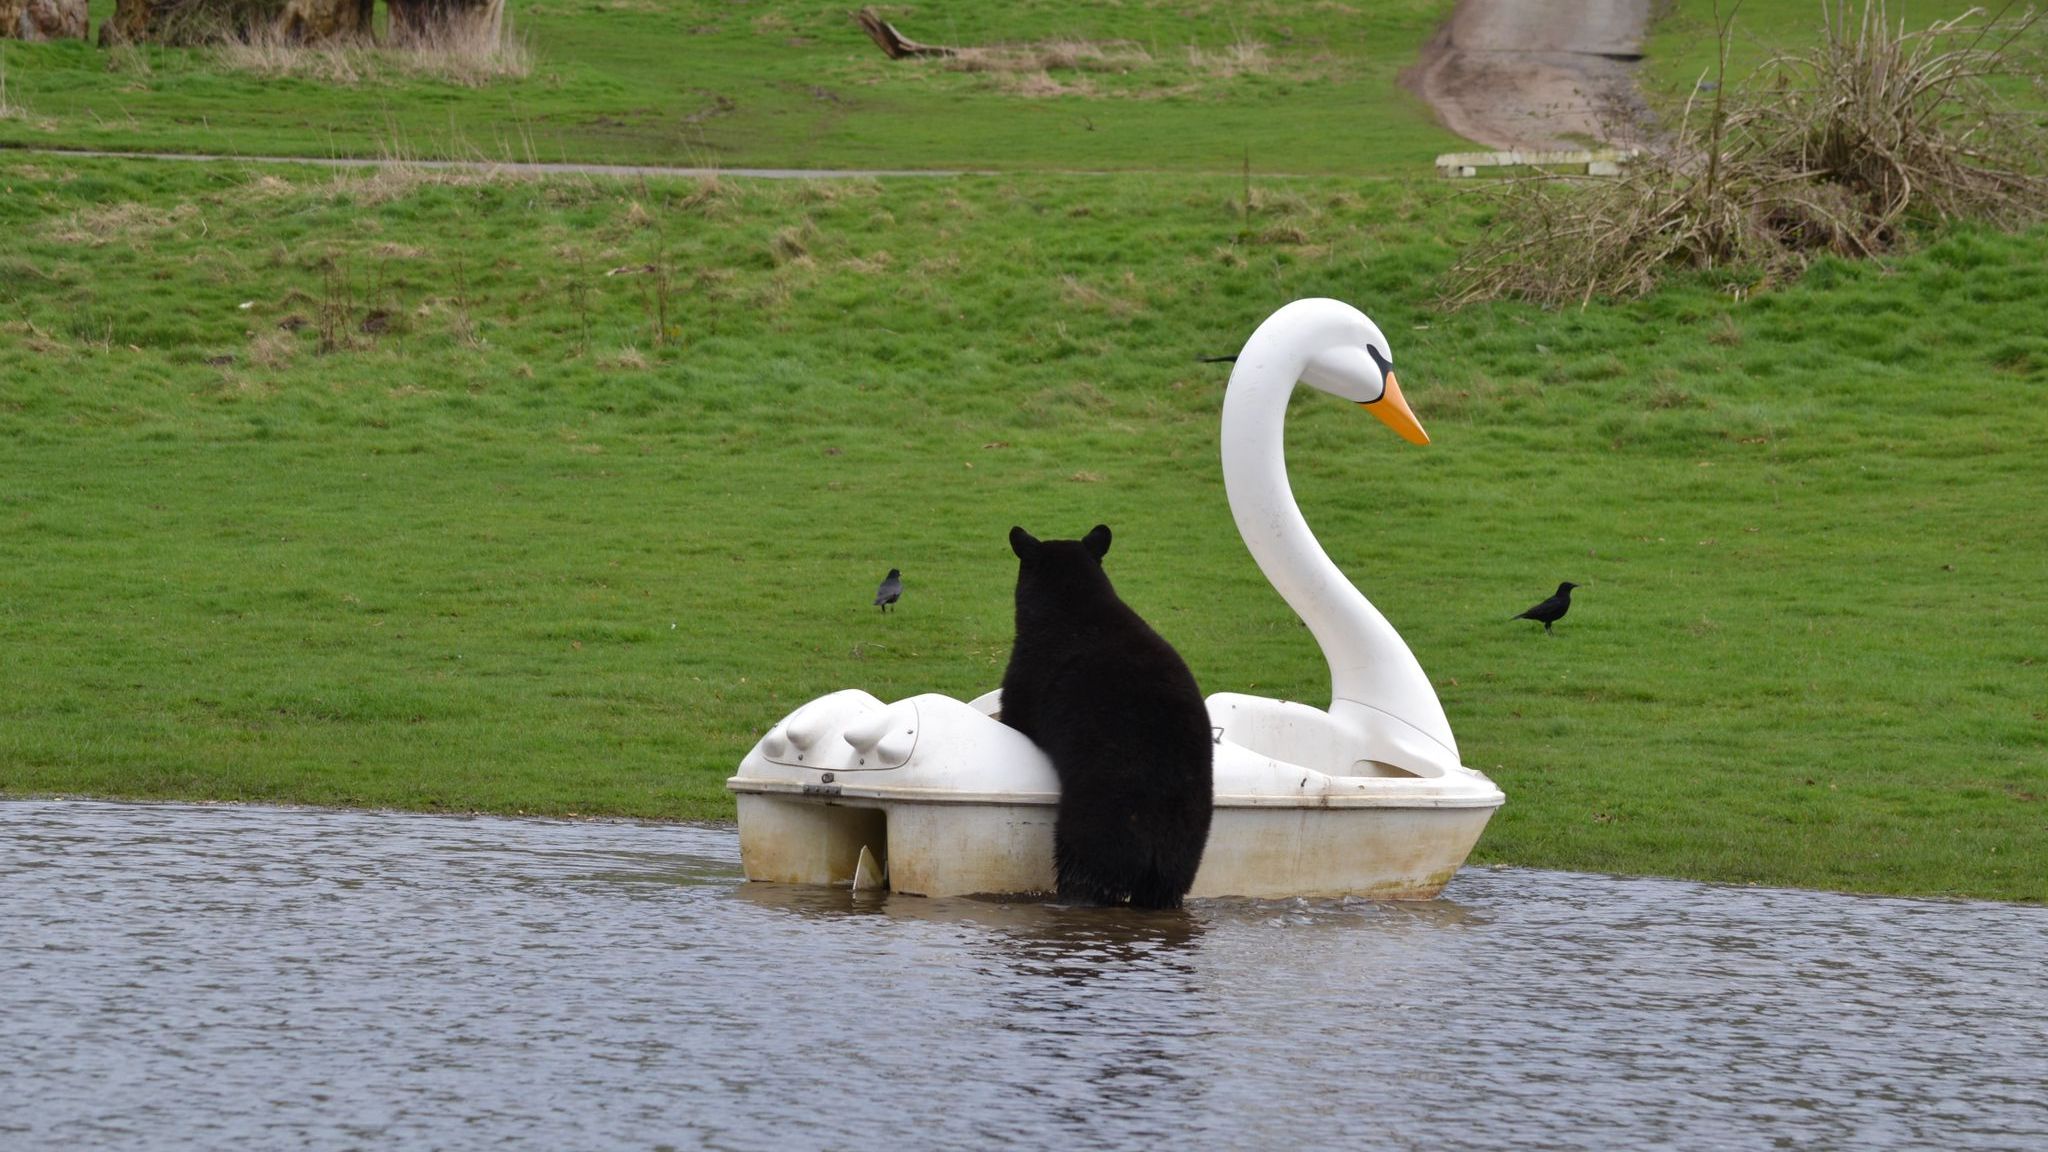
{"x": 202, "y": 977}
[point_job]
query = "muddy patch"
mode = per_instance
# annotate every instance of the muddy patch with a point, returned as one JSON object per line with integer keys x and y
{"x": 1510, "y": 74}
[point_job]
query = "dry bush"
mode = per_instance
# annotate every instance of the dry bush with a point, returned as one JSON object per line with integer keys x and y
{"x": 1907, "y": 122}
{"x": 1838, "y": 149}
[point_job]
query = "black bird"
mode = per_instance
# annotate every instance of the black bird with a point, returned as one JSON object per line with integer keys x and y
{"x": 1553, "y": 609}
{"x": 890, "y": 591}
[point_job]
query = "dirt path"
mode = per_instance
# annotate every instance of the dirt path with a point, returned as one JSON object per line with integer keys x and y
{"x": 1523, "y": 74}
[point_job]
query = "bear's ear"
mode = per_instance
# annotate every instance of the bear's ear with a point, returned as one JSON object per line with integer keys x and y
{"x": 1023, "y": 543}
{"x": 1097, "y": 541}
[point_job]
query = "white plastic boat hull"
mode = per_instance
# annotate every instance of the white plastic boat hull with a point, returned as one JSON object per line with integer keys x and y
{"x": 944, "y": 849}
{"x": 952, "y": 802}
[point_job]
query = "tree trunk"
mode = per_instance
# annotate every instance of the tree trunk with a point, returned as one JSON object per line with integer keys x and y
{"x": 210, "y": 21}
{"x": 42, "y": 19}
{"x": 446, "y": 23}
{"x": 308, "y": 21}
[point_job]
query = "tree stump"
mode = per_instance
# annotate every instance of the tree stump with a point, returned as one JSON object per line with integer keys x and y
{"x": 211, "y": 21}
{"x": 42, "y": 19}
{"x": 311, "y": 21}
{"x": 446, "y": 23}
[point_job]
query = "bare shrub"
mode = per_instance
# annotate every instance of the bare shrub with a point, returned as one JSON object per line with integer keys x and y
{"x": 1906, "y": 122}
{"x": 1835, "y": 150}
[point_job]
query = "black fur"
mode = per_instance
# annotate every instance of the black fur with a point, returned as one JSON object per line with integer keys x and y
{"x": 1119, "y": 714}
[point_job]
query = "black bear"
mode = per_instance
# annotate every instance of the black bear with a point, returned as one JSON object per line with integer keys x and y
{"x": 1117, "y": 711}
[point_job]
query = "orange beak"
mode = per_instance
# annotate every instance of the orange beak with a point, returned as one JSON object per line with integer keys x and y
{"x": 1393, "y": 411}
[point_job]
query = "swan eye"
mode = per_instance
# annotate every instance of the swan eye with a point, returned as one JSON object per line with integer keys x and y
{"x": 1381, "y": 361}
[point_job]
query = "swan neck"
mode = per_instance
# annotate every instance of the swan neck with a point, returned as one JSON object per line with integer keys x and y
{"x": 1374, "y": 679}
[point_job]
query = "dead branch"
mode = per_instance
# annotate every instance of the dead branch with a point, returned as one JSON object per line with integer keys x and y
{"x": 895, "y": 44}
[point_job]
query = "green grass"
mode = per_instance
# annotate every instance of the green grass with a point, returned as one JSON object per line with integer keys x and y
{"x": 517, "y": 550}
{"x": 788, "y": 83}
{"x": 551, "y": 495}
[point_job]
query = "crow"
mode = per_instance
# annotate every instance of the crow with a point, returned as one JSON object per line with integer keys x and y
{"x": 890, "y": 591}
{"x": 1551, "y": 610}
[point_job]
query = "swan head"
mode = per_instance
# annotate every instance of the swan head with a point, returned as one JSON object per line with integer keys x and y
{"x": 1359, "y": 366}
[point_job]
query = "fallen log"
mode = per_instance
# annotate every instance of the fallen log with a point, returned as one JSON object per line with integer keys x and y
{"x": 895, "y": 44}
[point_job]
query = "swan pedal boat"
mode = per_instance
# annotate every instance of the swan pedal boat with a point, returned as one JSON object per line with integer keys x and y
{"x": 938, "y": 797}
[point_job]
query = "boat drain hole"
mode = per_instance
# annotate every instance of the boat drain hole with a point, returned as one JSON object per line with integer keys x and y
{"x": 851, "y": 830}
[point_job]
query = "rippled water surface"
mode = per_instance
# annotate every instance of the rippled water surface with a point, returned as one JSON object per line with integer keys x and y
{"x": 176, "y": 976}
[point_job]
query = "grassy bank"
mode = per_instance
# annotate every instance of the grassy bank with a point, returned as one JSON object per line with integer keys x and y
{"x": 592, "y": 481}
{"x": 783, "y": 83}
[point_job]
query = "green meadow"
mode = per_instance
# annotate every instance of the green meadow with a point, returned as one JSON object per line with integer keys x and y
{"x": 1164, "y": 85}
{"x": 446, "y": 491}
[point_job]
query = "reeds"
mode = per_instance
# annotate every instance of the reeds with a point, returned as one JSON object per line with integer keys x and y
{"x": 1835, "y": 150}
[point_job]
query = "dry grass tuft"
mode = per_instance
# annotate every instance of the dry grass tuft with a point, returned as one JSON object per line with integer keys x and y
{"x": 791, "y": 245}
{"x": 1065, "y": 55}
{"x": 1042, "y": 85}
{"x": 1094, "y": 299}
{"x": 1836, "y": 150}
{"x": 469, "y": 53}
{"x": 1065, "y": 67}
{"x": 274, "y": 349}
{"x": 264, "y": 184}
{"x": 628, "y": 358}
{"x": 399, "y": 179}
{"x": 9, "y": 110}
{"x": 1245, "y": 57}
{"x": 125, "y": 220}
{"x": 33, "y": 338}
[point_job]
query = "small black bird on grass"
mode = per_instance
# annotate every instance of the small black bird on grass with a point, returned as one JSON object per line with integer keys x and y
{"x": 1551, "y": 610}
{"x": 891, "y": 590}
